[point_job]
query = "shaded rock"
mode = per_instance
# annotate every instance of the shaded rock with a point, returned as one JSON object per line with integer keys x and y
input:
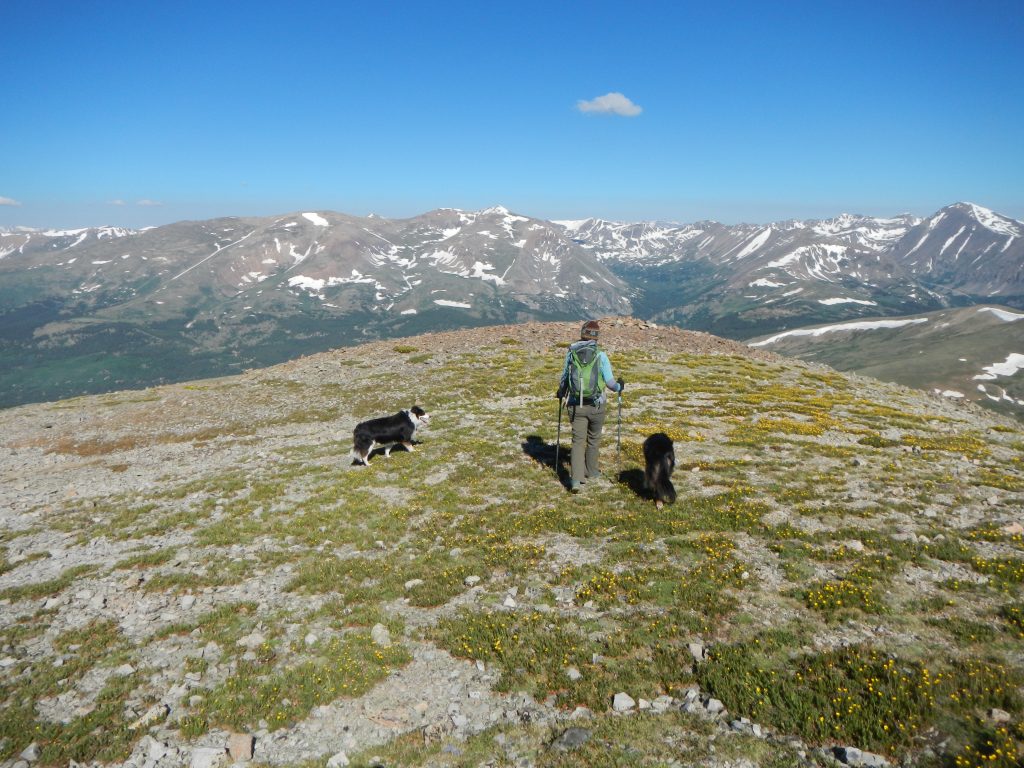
{"x": 858, "y": 758}
{"x": 573, "y": 738}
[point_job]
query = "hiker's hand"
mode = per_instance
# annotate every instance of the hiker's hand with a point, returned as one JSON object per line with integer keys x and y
{"x": 559, "y": 394}
{"x": 621, "y": 382}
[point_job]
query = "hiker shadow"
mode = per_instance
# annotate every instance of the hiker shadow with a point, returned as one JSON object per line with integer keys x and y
{"x": 634, "y": 480}
{"x": 544, "y": 454}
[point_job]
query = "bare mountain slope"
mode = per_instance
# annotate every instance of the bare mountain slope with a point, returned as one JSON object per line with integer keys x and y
{"x": 970, "y": 352}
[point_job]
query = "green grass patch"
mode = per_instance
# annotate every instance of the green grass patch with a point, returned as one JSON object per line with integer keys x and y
{"x": 857, "y": 695}
{"x": 283, "y": 694}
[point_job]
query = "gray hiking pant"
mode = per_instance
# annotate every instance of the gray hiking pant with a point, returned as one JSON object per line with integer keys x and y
{"x": 587, "y": 423}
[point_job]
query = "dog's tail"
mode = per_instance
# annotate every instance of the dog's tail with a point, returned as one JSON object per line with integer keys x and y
{"x": 361, "y": 447}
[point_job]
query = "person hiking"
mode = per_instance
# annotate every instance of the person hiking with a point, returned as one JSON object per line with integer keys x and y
{"x": 585, "y": 375}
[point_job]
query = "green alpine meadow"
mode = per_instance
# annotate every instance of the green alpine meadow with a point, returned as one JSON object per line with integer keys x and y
{"x": 197, "y": 573}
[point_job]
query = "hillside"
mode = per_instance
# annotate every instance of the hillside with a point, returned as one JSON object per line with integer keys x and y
{"x": 196, "y": 567}
{"x": 970, "y": 352}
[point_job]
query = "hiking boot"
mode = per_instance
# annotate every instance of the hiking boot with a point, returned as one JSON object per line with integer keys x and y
{"x": 575, "y": 486}
{"x": 595, "y": 476}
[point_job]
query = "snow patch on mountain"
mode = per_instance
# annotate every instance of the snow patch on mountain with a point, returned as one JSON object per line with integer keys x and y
{"x": 863, "y": 325}
{"x": 820, "y": 261}
{"x": 1013, "y": 363}
{"x": 845, "y": 300}
{"x": 316, "y": 285}
{"x": 480, "y": 270}
{"x": 755, "y": 244}
{"x": 448, "y": 303}
{"x": 316, "y": 218}
{"x": 993, "y": 221}
{"x": 951, "y": 240}
{"x": 1002, "y": 314}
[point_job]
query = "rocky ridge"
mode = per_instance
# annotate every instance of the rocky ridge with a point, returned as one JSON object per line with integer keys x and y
{"x": 70, "y": 459}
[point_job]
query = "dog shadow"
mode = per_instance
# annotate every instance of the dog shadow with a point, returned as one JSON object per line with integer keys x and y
{"x": 543, "y": 453}
{"x": 634, "y": 480}
{"x": 383, "y": 452}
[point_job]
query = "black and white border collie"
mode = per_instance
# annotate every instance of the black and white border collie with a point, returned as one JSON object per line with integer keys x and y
{"x": 387, "y": 431}
{"x": 659, "y": 461}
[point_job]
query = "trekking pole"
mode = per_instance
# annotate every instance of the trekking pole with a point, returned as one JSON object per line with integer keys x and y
{"x": 618, "y": 438}
{"x": 558, "y": 439}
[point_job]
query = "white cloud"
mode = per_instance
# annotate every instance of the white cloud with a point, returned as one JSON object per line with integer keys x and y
{"x": 8, "y": 201}
{"x": 148, "y": 203}
{"x": 610, "y": 104}
{"x": 118, "y": 202}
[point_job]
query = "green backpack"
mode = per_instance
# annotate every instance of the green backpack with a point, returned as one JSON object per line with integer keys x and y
{"x": 585, "y": 381}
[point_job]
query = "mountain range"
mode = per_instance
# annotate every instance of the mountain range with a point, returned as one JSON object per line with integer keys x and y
{"x": 108, "y": 308}
{"x": 743, "y": 281}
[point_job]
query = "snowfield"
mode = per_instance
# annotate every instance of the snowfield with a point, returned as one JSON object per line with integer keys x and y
{"x": 865, "y": 325}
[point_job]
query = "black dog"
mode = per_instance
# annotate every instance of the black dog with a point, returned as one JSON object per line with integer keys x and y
{"x": 659, "y": 461}
{"x": 387, "y": 431}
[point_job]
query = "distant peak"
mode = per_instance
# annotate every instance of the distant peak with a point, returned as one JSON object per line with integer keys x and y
{"x": 501, "y": 210}
{"x": 1001, "y": 225}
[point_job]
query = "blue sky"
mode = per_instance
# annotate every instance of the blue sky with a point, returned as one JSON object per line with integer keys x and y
{"x": 143, "y": 113}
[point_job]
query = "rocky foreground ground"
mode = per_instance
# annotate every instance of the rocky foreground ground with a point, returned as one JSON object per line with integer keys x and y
{"x": 152, "y": 524}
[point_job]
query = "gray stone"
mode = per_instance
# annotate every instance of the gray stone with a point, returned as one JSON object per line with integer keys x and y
{"x": 380, "y": 635}
{"x": 573, "y": 738}
{"x": 858, "y": 758}
{"x": 662, "y": 704}
{"x": 30, "y": 753}
{"x": 156, "y": 713}
{"x": 999, "y": 715}
{"x": 623, "y": 702}
{"x": 240, "y": 746}
{"x": 338, "y": 760}
{"x": 693, "y": 708}
{"x": 715, "y": 707}
{"x": 155, "y": 750}
{"x": 208, "y": 757}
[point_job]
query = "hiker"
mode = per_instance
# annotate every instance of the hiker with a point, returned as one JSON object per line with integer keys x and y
{"x": 586, "y": 373}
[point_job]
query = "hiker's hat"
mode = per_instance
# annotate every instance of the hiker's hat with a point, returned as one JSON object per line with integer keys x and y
{"x": 590, "y": 330}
